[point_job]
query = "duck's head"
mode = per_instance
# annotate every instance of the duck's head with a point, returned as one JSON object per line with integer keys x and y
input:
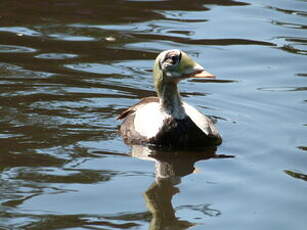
{"x": 171, "y": 66}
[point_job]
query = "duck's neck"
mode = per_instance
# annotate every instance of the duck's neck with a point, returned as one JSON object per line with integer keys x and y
{"x": 170, "y": 100}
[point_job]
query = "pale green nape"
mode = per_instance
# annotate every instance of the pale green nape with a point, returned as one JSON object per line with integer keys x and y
{"x": 157, "y": 76}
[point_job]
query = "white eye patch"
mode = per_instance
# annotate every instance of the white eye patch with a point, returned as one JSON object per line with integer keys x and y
{"x": 170, "y": 59}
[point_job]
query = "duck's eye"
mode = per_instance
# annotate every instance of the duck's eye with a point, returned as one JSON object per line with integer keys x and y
{"x": 174, "y": 59}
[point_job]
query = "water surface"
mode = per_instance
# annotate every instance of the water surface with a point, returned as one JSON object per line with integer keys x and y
{"x": 67, "y": 69}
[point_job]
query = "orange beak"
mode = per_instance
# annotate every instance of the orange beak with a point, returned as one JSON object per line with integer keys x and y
{"x": 202, "y": 74}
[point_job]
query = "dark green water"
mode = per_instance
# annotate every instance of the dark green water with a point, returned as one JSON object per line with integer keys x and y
{"x": 67, "y": 69}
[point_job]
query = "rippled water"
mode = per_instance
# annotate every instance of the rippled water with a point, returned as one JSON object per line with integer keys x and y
{"x": 67, "y": 69}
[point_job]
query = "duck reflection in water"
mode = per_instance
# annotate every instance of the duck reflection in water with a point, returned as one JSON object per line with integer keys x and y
{"x": 170, "y": 168}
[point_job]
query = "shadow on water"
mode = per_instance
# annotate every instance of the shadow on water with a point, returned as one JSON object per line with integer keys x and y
{"x": 296, "y": 175}
{"x": 170, "y": 167}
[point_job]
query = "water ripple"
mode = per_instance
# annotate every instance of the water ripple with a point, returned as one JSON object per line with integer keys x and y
{"x": 20, "y": 31}
{"x": 56, "y": 56}
{"x": 16, "y": 49}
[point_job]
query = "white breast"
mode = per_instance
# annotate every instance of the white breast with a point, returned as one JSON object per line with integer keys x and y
{"x": 149, "y": 119}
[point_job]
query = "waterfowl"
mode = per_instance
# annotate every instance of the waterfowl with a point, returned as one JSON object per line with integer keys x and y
{"x": 166, "y": 120}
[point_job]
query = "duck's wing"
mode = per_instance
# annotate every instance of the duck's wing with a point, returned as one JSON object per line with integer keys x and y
{"x": 135, "y": 121}
{"x": 136, "y": 106}
{"x": 203, "y": 122}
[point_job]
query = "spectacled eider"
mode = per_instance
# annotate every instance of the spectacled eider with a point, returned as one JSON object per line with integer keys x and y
{"x": 166, "y": 120}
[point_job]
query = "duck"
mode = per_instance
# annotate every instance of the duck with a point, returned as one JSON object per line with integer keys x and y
{"x": 167, "y": 120}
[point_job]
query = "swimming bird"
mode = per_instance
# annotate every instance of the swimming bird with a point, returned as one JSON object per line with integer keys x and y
{"x": 166, "y": 120}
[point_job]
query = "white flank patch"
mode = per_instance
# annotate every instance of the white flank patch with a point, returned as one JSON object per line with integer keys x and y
{"x": 149, "y": 119}
{"x": 198, "y": 118}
